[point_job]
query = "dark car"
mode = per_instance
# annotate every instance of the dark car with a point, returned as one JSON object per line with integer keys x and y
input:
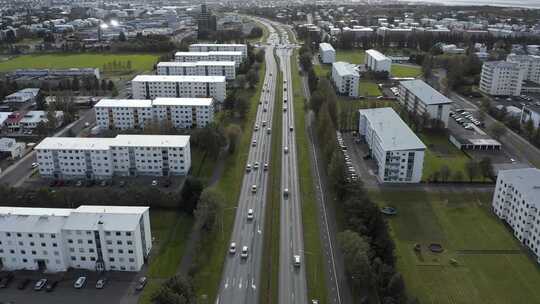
{"x": 51, "y": 286}
{"x": 167, "y": 183}
{"x": 52, "y": 183}
{"x": 23, "y": 283}
{"x": 4, "y": 282}
{"x": 141, "y": 283}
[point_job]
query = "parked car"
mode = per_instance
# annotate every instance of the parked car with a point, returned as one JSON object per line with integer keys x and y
{"x": 23, "y": 283}
{"x": 40, "y": 284}
{"x": 141, "y": 283}
{"x": 79, "y": 183}
{"x": 101, "y": 283}
{"x": 51, "y": 286}
{"x": 4, "y": 282}
{"x": 80, "y": 282}
{"x": 154, "y": 183}
{"x": 35, "y": 165}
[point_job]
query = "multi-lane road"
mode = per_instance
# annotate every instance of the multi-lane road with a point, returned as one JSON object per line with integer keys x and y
{"x": 240, "y": 280}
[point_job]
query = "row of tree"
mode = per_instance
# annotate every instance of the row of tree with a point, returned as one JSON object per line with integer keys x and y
{"x": 121, "y": 65}
{"x": 473, "y": 170}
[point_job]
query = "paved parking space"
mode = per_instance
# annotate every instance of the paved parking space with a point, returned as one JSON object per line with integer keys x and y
{"x": 120, "y": 288}
{"x": 364, "y": 168}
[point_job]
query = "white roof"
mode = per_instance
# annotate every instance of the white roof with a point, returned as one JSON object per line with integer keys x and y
{"x": 344, "y": 68}
{"x": 217, "y": 45}
{"x": 74, "y": 143}
{"x": 392, "y": 130}
{"x": 377, "y": 55}
{"x": 195, "y": 63}
{"x": 209, "y": 53}
{"x": 151, "y": 141}
{"x": 4, "y": 116}
{"x": 127, "y": 103}
{"x": 177, "y": 78}
{"x": 112, "y": 209}
{"x": 526, "y": 180}
{"x": 326, "y": 47}
{"x": 502, "y": 64}
{"x": 425, "y": 92}
{"x": 164, "y": 101}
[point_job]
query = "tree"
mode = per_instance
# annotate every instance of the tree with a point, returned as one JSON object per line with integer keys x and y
{"x": 529, "y": 128}
{"x": 75, "y": 86}
{"x": 471, "y": 167}
{"x": 396, "y": 288}
{"x": 252, "y": 78}
{"x": 110, "y": 85}
{"x": 241, "y": 81}
{"x": 208, "y": 209}
{"x": 486, "y": 168}
{"x": 336, "y": 171}
{"x": 445, "y": 173}
{"x": 498, "y": 130}
{"x": 356, "y": 254}
{"x": 241, "y": 106}
{"x": 317, "y": 100}
{"x": 190, "y": 194}
{"x": 52, "y": 121}
{"x": 233, "y": 132}
{"x": 176, "y": 290}
{"x": 122, "y": 36}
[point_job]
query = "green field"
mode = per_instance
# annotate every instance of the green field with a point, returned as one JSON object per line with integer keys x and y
{"x": 140, "y": 63}
{"x": 401, "y": 70}
{"x": 322, "y": 70}
{"x": 170, "y": 230}
{"x": 351, "y": 56}
{"x": 368, "y": 88}
{"x": 491, "y": 265}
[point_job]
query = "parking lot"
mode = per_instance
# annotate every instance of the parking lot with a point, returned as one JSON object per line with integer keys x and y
{"x": 120, "y": 288}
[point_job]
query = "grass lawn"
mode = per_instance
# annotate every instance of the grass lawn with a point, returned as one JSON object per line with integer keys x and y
{"x": 265, "y": 33}
{"x": 401, "y": 70}
{"x": 491, "y": 265}
{"x": 170, "y": 230}
{"x": 202, "y": 165}
{"x": 348, "y": 110}
{"x": 314, "y": 260}
{"x": 368, "y": 88}
{"x": 322, "y": 70}
{"x": 140, "y": 62}
{"x": 214, "y": 245}
{"x": 351, "y": 56}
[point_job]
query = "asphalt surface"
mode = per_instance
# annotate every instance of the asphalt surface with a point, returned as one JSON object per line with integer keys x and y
{"x": 292, "y": 278}
{"x": 239, "y": 283}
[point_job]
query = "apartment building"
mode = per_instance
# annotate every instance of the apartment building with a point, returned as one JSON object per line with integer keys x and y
{"x": 529, "y": 63}
{"x": 181, "y": 113}
{"x": 421, "y": 98}
{"x": 95, "y": 238}
{"x": 502, "y": 78}
{"x": 516, "y": 201}
{"x": 237, "y": 57}
{"x": 327, "y": 53}
{"x": 198, "y": 68}
{"x": 399, "y": 153}
{"x": 376, "y": 61}
{"x": 103, "y": 158}
{"x": 153, "y": 86}
{"x": 208, "y": 47}
{"x": 345, "y": 78}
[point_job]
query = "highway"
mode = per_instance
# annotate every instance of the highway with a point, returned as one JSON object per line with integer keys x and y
{"x": 292, "y": 274}
{"x": 239, "y": 283}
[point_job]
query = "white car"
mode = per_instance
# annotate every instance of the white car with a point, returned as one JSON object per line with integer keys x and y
{"x": 296, "y": 260}
{"x": 244, "y": 253}
{"x": 286, "y": 149}
{"x": 286, "y": 192}
{"x": 265, "y": 166}
{"x": 256, "y": 127}
{"x": 253, "y": 188}
{"x": 79, "y": 283}
{"x": 250, "y": 214}
{"x": 232, "y": 248}
{"x": 248, "y": 168}
{"x": 35, "y": 165}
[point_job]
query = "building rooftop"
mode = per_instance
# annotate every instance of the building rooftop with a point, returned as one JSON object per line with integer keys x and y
{"x": 222, "y": 44}
{"x": 94, "y": 143}
{"x": 195, "y": 63}
{"x": 425, "y": 92}
{"x": 501, "y": 64}
{"x": 377, "y": 55}
{"x": 164, "y": 101}
{"x": 344, "y": 68}
{"x": 177, "y": 78}
{"x": 392, "y": 130}
{"x": 128, "y": 103}
{"x": 526, "y": 180}
{"x": 209, "y": 53}
{"x": 151, "y": 140}
{"x": 326, "y": 47}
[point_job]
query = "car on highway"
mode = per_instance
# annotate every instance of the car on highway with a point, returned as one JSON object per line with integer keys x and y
{"x": 232, "y": 248}
{"x": 296, "y": 260}
{"x": 291, "y": 129}
{"x": 265, "y": 166}
{"x": 141, "y": 283}
{"x": 154, "y": 183}
{"x": 265, "y": 109}
{"x": 80, "y": 282}
{"x": 101, "y": 283}
{"x": 284, "y": 109}
{"x": 254, "y": 143}
{"x": 286, "y": 192}
{"x": 256, "y": 127}
{"x": 244, "y": 254}
{"x": 250, "y": 214}
{"x": 269, "y": 130}
{"x": 256, "y": 165}
{"x": 264, "y": 123}
{"x": 40, "y": 284}
{"x": 248, "y": 168}
{"x": 253, "y": 188}
{"x": 286, "y": 149}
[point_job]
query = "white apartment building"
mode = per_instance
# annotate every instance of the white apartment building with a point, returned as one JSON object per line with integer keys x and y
{"x": 237, "y": 57}
{"x": 399, "y": 153}
{"x": 345, "y": 78}
{"x": 421, "y": 98}
{"x": 529, "y": 63}
{"x": 89, "y": 237}
{"x": 198, "y": 68}
{"x": 152, "y": 86}
{"x": 501, "y": 78}
{"x": 531, "y": 112}
{"x": 327, "y": 53}
{"x": 517, "y": 202}
{"x": 376, "y": 61}
{"x": 181, "y": 113}
{"x": 208, "y": 47}
{"x": 103, "y": 158}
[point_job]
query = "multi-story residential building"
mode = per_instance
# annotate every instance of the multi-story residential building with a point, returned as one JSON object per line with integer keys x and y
{"x": 88, "y": 237}
{"x": 376, "y": 61}
{"x": 103, "y": 158}
{"x": 516, "y": 201}
{"x": 420, "y": 98}
{"x": 501, "y": 78}
{"x": 182, "y": 113}
{"x": 399, "y": 153}
{"x": 198, "y": 68}
{"x": 327, "y": 53}
{"x": 345, "y": 78}
{"x": 152, "y": 86}
{"x": 208, "y": 47}
{"x": 529, "y": 63}
{"x": 237, "y": 57}
{"x": 531, "y": 112}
